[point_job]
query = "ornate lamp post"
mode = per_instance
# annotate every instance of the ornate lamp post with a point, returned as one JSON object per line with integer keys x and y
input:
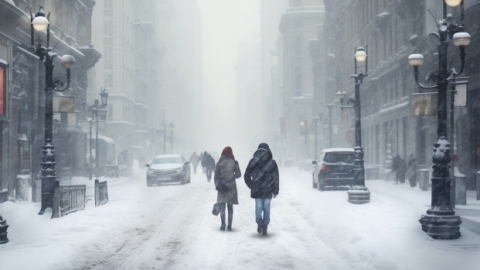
{"x": 304, "y": 130}
{"x": 172, "y": 131}
{"x": 330, "y": 107}
{"x": 46, "y": 55}
{"x": 97, "y": 109}
{"x": 440, "y": 221}
{"x": 358, "y": 193}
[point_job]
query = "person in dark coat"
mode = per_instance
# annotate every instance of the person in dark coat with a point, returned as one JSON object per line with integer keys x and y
{"x": 209, "y": 164}
{"x": 412, "y": 170}
{"x": 400, "y": 168}
{"x": 227, "y": 167}
{"x": 200, "y": 158}
{"x": 262, "y": 178}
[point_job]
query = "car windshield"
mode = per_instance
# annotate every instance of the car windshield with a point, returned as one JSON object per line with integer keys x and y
{"x": 340, "y": 157}
{"x": 165, "y": 160}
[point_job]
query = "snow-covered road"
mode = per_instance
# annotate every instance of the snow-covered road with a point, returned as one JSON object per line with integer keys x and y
{"x": 171, "y": 227}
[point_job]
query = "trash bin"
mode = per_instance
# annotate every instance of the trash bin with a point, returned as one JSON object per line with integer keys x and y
{"x": 460, "y": 189}
{"x": 423, "y": 178}
{"x": 3, "y": 231}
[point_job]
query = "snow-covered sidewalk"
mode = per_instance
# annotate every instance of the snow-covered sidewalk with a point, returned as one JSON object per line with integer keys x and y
{"x": 171, "y": 227}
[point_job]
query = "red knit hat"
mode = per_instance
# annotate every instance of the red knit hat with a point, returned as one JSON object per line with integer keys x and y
{"x": 228, "y": 152}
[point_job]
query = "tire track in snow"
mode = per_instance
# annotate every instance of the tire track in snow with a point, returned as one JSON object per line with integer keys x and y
{"x": 141, "y": 242}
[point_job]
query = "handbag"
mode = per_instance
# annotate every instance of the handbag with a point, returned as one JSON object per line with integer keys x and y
{"x": 216, "y": 209}
{"x": 222, "y": 184}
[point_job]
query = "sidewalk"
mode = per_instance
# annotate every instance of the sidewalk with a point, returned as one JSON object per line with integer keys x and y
{"x": 469, "y": 213}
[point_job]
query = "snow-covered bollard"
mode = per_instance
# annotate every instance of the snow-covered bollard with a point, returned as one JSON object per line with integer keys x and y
{"x": 3, "y": 231}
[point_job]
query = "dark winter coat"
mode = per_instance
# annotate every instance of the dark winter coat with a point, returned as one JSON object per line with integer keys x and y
{"x": 261, "y": 175}
{"x": 398, "y": 164}
{"x": 228, "y": 168}
{"x": 208, "y": 161}
{"x": 412, "y": 170}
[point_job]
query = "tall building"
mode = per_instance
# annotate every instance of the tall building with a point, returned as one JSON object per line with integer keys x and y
{"x": 270, "y": 15}
{"x": 393, "y": 30}
{"x": 298, "y": 26}
{"x": 22, "y": 84}
{"x": 127, "y": 36}
{"x": 182, "y": 74}
{"x": 152, "y": 70}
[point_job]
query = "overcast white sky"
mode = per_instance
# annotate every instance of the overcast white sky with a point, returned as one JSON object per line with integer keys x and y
{"x": 224, "y": 24}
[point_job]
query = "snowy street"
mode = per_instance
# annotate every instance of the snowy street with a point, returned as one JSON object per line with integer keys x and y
{"x": 171, "y": 227}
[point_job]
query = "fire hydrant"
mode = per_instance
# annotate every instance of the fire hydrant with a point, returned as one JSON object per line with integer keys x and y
{"x": 3, "y": 231}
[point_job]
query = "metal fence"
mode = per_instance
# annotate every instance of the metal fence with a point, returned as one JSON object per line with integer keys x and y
{"x": 68, "y": 199}
{"x": 101, "y": 193}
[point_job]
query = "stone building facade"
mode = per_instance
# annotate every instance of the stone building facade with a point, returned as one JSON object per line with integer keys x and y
{"x": 22, "y": 99}
{"x": 298, "y": 25}
{"x": 392, "y": 30}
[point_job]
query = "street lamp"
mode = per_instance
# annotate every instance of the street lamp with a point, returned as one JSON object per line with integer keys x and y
{"x": 46, "y": 55}
{"x": 304, "y": 126}
{"x": 440, "y": 221}
{"x": 98, "y": 109}
{"x": 172, "y": 130}
{"x": 315, "y": 119}
{"x": 330, "y": 107}
{"x": 358, "y": 193}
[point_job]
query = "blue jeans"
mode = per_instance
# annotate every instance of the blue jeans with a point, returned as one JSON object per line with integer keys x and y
{"x": 262, "y": 205}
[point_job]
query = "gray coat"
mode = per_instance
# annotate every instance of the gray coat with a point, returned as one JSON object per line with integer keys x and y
{"x": 228, "y": 168}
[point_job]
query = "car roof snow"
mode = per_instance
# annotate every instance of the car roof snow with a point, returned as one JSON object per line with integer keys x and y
{"x": 329, "y": 150}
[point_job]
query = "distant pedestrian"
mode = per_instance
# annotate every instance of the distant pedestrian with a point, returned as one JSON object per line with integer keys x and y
{"x": 412, "y": 170}
{"x": 209, "y": 163}
{"x": 400, "y": 168}
{"x": 262, "y": 178}
{"x": 194, "y": 158}
{"x": 227, "y": 170}
{"x": 200, "y": 158}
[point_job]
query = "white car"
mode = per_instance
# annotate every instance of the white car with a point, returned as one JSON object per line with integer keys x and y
{"x": 167, "y": 169}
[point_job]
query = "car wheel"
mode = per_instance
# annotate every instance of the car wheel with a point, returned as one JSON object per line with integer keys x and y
{"x": 314, "y": 185}
{"x": 149, "y": 183}
{"x": 321, "y": 184}
{"x": 189, "y": 178}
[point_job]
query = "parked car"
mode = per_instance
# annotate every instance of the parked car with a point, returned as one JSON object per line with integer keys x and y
{"x": 167, "y": 169}
{"x": 334, "y": 167}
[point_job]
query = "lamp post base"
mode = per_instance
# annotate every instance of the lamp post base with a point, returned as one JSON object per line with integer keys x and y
{"x": 441, "y": 226}
{"x": 3, "y": 231}
{"x": 358, "y": 195}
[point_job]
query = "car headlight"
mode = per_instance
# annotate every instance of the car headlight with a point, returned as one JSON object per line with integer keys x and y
{"x": 150, "y": 172}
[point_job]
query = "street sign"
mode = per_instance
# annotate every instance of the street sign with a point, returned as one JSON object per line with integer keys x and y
{"x": 65, "y": 104}
{"x": 424, "y": 104}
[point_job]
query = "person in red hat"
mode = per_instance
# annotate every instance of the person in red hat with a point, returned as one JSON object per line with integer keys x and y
{"x": 226, "y": 171}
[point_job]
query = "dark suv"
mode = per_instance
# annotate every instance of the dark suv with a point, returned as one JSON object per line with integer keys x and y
{"x": 334, "y": 167}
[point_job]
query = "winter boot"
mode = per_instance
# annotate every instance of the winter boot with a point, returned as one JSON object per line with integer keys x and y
{"x": 259, "y": 228}
{"x": 264, "y": 229}
{"x": 222, "y": 228}
{"x": 230, "y": 219}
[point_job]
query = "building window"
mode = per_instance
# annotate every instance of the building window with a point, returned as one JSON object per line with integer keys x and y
{"x": 298, "y": 81}
{"x": 109, "y": 112}
{"x": 108, "y": 80}
{"x": 108, "y": 4}
{"x": 108, "y": 29}
{"x": 108, "y": 57}
{"x": 298, "y": 46}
